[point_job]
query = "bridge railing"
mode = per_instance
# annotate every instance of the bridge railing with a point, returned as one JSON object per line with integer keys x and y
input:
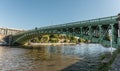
{"x": 79, "y": 22}
{"x": 91, "y": 21}
{"x": 74, "y": 23}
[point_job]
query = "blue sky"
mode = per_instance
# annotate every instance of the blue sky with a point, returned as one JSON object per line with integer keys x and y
{"x": 28, "y": 14}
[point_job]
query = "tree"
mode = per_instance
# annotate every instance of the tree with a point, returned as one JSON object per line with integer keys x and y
{"x": 35, "y": 40}
{"x": 45, "y": 38}
{"x": 73, "y": 39}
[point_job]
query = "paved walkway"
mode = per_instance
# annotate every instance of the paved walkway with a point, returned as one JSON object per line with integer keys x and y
{"x": 116, "y": 64}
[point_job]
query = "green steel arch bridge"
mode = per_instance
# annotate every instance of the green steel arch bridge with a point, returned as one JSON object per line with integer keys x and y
{"x": 96, "y": 30}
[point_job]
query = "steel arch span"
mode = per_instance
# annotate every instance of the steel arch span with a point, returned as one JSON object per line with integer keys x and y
{"x": 98, "y": 30}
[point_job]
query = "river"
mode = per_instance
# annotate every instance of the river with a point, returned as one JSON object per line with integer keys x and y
{"x": 84, "y": 57}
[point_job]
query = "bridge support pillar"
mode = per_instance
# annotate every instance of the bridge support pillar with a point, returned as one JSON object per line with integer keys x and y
{"x": 73, "y": 33}
{"x": 119, "y": 28}
{"x": 90, "y": 33}
{"x": 100, "y": 33}
{"x": 81, "y": 33}
{"x": 10, "y": 40}
{"x": 67, "y": 33}
{"x": 118, "y": 19}
{"x": 113, "y": 35}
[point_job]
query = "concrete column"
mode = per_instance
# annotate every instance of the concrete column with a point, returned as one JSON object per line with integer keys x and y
{"x": 2, "y": 31}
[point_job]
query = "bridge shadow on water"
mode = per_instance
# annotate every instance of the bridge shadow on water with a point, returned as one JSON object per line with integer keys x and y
{"x": 82, "y": 65}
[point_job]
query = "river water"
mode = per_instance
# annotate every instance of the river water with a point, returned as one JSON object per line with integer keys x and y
{"x": 84, "y": 57}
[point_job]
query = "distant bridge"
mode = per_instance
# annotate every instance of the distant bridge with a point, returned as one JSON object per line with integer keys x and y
{"x": 9, "y": 31}
{"x": 5, "y": 32}
{"x": 98, "y": 30}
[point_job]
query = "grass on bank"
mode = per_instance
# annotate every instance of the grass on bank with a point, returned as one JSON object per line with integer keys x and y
{"x": 106, "y": 66}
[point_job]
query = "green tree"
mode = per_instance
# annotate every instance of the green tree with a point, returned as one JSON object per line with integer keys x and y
{"x": 35, "y": 40}
{"x": 73, "y": 39}
{"x": 54, "y": 38}
{"x": 45, "y": 38}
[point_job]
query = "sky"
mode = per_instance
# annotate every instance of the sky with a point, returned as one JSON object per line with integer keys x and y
{"x": 28, "y": 14}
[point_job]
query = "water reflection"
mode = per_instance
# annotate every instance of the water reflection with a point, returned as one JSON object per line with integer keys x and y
{"x": 52, "y": 58}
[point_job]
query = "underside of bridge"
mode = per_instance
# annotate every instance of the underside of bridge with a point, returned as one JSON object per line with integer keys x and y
{"x": 101, "y": 30}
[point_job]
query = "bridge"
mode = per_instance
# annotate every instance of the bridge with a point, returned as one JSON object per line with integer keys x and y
{"x": 100, "y": 30}
{"x": 9, "y": 31}
{"x": 5, "y": 32}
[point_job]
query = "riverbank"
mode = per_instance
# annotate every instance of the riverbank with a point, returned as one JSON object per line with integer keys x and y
{"x": 116, "y": 64}
{"x": 37, "y": 45}
{"x": 110, "y": 62}
{"x": 49, "y": 44}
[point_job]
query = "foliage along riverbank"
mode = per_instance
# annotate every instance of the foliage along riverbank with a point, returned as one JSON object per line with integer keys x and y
{"x": 55, "y": 38}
